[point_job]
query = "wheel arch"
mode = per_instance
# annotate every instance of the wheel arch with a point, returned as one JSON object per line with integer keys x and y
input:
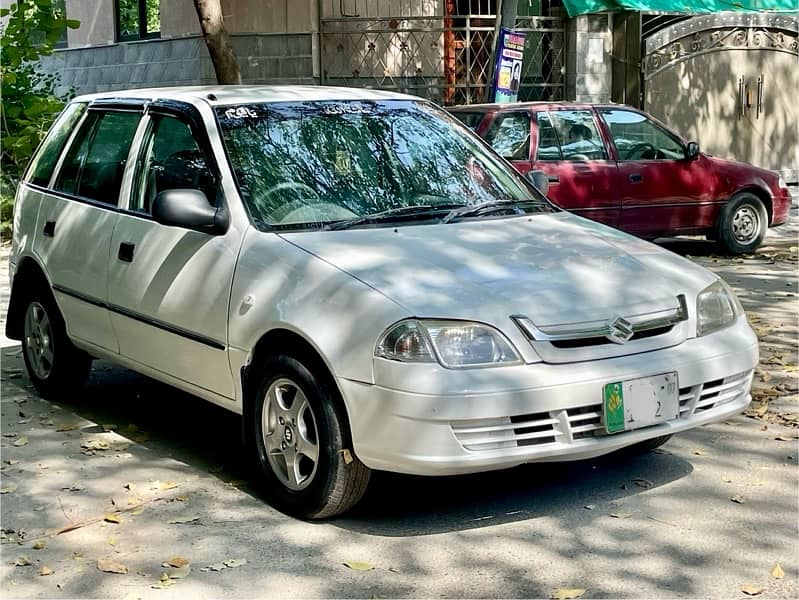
{"x": 281, "y": 340}
{"x": 29, "y": 277}
{"x": 762, "y": 194}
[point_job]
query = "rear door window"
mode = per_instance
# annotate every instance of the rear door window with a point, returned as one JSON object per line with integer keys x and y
{"x": 41, "y": 167}
{"x": 509, "y": 135}
{"x": 575, "y": 133}
{"x": 95, "y": 163}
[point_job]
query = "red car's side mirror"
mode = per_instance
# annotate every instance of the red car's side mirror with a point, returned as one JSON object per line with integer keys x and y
{"x": 692, "y": 151}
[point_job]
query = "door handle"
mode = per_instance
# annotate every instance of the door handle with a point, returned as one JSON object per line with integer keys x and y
{"x": 49, "y": 229}
{"x": 636, "y": 178}
{"x": 553, "y": 178}
{"x": 126, "y": 251}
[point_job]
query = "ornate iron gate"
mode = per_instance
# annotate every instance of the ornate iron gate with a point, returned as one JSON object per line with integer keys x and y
{"x": 438, "y": 49}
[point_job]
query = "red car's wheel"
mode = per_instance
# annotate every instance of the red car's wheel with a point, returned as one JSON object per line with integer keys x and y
{"x": 743, "y": 223}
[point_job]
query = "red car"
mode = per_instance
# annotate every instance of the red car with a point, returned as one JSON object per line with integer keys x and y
{"x": 620, "y": 166}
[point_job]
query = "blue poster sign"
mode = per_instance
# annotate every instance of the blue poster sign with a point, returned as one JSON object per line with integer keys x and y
{"x": 508, "y": 65}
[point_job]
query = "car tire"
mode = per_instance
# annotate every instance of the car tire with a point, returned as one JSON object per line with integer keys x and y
{"x": 742, "y": 223}
{"x": 299, "y": 437}
{"x": 55, "y": 366}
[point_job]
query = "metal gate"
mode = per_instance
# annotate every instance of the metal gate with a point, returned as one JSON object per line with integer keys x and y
{"x": 439, "y": 49}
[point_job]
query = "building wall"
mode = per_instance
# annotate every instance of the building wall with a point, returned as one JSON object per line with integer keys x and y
{"x": 589, "y": 40}
{"x": 268, "y": 59}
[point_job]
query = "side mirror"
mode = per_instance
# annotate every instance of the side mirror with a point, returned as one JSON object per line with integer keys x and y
{"x": 540, "y": 180}
{"x": 189, "y": 209}
{"x": 692, "y": 150}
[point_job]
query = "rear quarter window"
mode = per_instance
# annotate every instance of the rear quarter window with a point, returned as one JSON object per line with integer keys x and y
{"x": 45, "y": 159}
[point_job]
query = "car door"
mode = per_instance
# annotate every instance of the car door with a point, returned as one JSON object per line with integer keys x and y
{"x": 570, "y": 149}
{"x": 77, "y": 216}
{"x": 169, "y": 287}
{"x": 662, "y": 190}
{"x": 509, "y": 136}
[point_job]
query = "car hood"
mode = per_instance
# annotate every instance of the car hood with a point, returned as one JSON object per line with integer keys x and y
{"x": 553, "y": 268}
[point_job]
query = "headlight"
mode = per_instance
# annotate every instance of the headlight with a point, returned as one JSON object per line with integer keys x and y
{"x": 716, "y": 308}
{"x": 454, "y": 344}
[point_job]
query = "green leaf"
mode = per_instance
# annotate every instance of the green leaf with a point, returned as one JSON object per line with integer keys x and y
{"x": 72, "y": 23}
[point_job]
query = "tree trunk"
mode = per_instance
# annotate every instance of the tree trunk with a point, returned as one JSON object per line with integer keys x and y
{"x": 218, "y": 41}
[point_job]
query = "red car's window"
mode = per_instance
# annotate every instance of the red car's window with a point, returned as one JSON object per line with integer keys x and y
{"x": 638, "y": 138}
{"x": 569, "y": 135}
{"x": 509, "y": 135}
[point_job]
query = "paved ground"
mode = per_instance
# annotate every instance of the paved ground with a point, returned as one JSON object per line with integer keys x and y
{"x": 659, "y": 525}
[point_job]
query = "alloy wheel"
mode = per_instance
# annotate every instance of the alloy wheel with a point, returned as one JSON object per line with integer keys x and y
{"x": 39, "y": 340}
{"x": 290, "y": 434}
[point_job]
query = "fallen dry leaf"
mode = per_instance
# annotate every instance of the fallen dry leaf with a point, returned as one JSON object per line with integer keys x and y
{"x": 109, "y": 566}
{"x": 738, "y": 499}
{"x": 95, "y": 444}
{"x": 566, "y": 593}
{"x": 620, "y": 515}
{"x": 111, "y": 518}
{"x": 40, "y": 545}
{"x": 784, "y": 438}
{"x": 22, "y": 561}
{"x": 777, "y": 572}
{"x": 8, "y": 488}
{"x": 752, "y": 590}
{"x": 67, "y": 427}
{"x": 643, "y": 483}
{"x": 109, "y": 427}
{"x": 21, "y": 441}
{"x": 175, "y": 561}
{"x": 726, "y": 478}
{"x": 163, "y": 485}
{"x": 45, "y": 570}
{"x": 347, "y": 455}
{"x": 698, "y": 451}
{"x": 358, "y": 566}
{"x": 112, "y": 541}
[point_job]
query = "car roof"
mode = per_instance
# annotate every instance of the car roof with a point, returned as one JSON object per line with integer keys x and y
{"x": 216, "y": 95}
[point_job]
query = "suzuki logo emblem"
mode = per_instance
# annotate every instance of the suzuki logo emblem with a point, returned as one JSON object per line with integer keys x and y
{"x": 621, "y": 330}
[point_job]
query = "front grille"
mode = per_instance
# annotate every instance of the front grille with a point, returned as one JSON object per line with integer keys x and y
{"x": 535, "y": 429}
{"x": 702, "y": 397}
{"x": 599, "y": 341}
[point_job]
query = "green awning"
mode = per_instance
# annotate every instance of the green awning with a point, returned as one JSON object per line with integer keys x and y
{"x": 582, "y": 7}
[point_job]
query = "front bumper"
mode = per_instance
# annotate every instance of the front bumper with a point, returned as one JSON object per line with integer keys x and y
{"x": 781, "y": 207}
{"x": 426, "y": 420}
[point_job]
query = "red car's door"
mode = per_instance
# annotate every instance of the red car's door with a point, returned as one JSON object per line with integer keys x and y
{"x": 571, "y": 150}
{"x": 508, "y": 133}
{"x": 662, "y": 191}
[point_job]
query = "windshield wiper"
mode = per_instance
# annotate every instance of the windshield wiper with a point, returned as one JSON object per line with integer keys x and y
{"x": 394, "y": 214}
{"x": 475, "y": 210}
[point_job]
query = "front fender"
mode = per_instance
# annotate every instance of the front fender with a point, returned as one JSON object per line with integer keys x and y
{"x": 278, "y": 285}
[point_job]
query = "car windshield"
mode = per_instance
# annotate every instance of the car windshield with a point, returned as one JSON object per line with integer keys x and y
{"x": 313, "y": 164}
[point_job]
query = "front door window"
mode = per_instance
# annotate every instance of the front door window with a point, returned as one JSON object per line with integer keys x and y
{"x": 638, "y": 138}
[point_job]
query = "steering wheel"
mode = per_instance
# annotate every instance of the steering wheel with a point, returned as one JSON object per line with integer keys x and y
{"x": 643, "y": 147}
{"x": 303, "y": 191}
